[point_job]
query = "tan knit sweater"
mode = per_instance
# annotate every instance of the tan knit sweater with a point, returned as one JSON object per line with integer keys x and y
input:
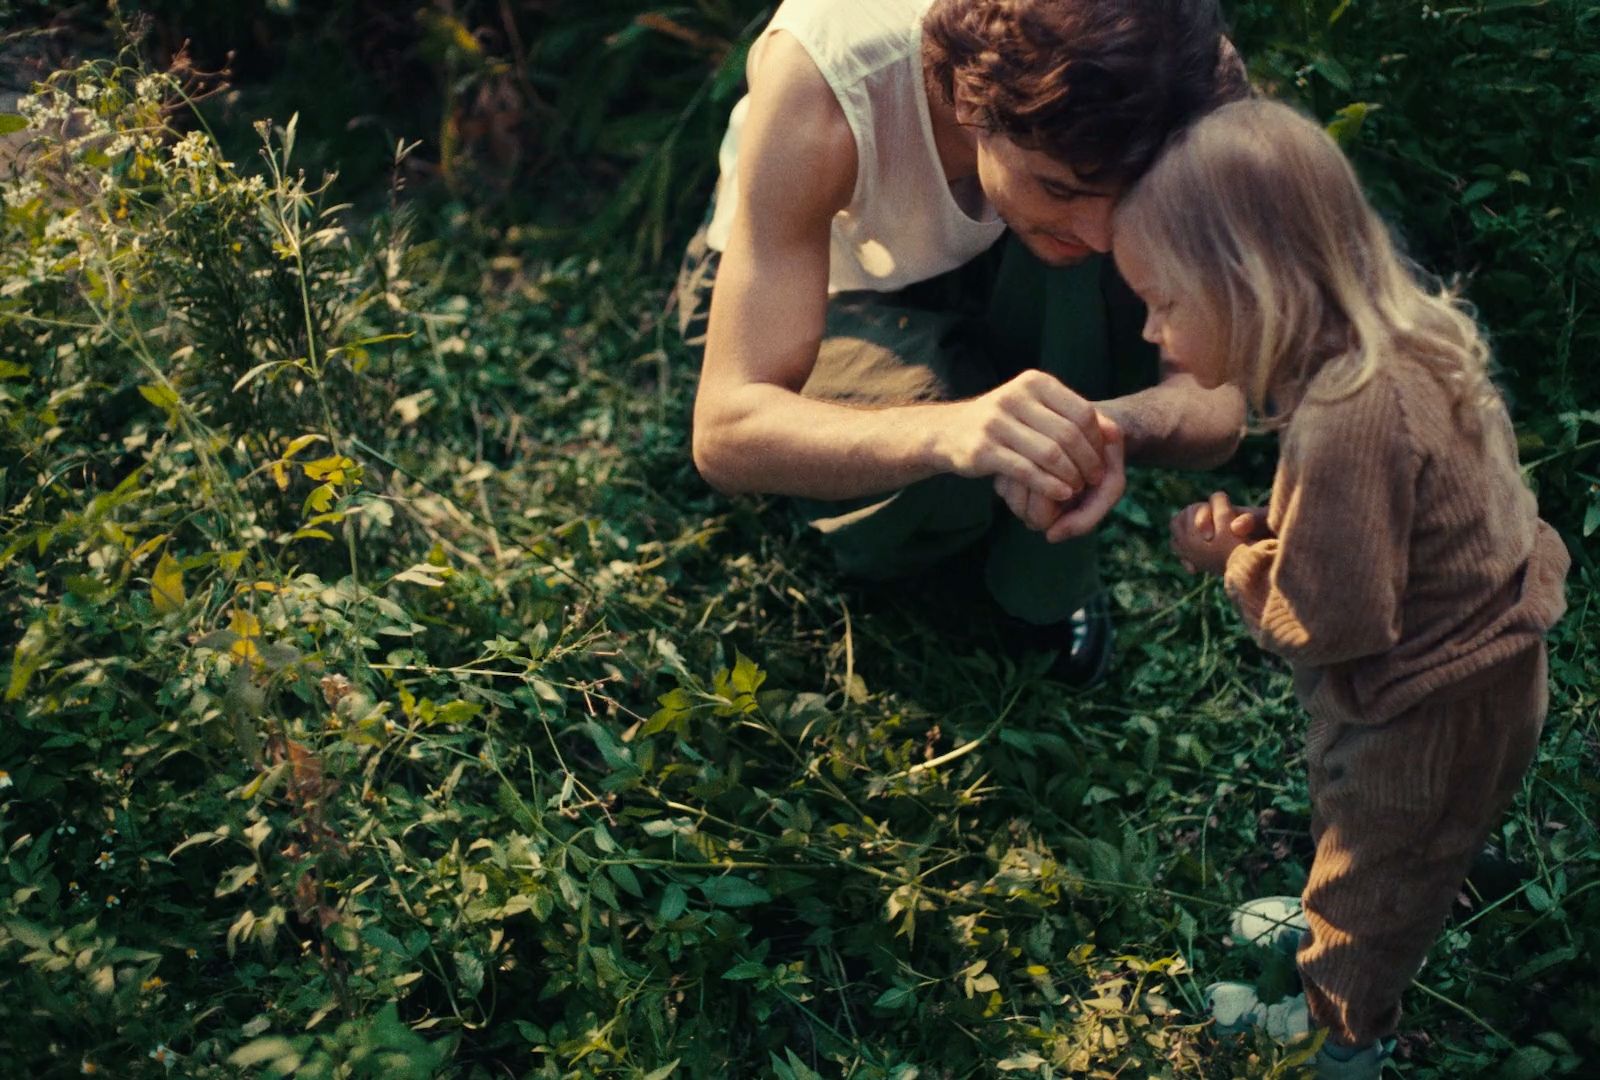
{"x": 1407, "y": 553}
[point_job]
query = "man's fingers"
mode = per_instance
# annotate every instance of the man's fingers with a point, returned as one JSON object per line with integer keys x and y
{"x": 1026, "y": 474}
{"x": 1086, "y": 455}
{"x": 1077, "y": 410}
{"x": 1045, "y": 454}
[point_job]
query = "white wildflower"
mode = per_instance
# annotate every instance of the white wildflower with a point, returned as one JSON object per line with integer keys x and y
{"x": 192, "y": 149}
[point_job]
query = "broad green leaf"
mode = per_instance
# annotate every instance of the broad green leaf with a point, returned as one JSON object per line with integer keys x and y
{"x": 34, "y": 937}
{"x": 896, "y": 997}
{"x": 382, "y": 940}
{"x": 1527, "y": 1063}
{"x": 733, "y": 892}
{"x": 1333, "y": 71}
{"x": 626, "y": 880}
{"x": 469, "y": 970}
{"x": 674, "y": 902}
{"x": 11, "y": 122}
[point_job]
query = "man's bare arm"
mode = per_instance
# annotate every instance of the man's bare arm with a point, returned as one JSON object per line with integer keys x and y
{"x": 753, "y": 431}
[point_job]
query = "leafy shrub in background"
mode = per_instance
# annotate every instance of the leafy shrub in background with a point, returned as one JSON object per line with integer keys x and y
{"x": 612, "y": 108}
{"x": 169, "y": 319}
{"x": 1475, "y": 128}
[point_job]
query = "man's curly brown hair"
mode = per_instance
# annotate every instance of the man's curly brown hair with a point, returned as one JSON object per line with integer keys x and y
{"x": 1098, "y": 85}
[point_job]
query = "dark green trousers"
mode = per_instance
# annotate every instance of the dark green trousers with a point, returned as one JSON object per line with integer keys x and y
{"x": 946, "y": 339}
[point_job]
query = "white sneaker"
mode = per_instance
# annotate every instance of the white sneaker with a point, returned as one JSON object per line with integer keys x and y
{"x": 1236, "y": 1007}
{"x": 1272, "y": 922}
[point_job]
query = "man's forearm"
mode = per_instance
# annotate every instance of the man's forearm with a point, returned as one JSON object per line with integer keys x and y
{"x": 1179, "y": 424}
{"x": 773, "y": 441}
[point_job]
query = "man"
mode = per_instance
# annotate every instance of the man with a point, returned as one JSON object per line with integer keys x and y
{"x": 872, "y": 350}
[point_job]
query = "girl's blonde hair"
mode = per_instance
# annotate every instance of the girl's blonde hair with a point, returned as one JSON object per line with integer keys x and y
{"x": 1255, "y": 213}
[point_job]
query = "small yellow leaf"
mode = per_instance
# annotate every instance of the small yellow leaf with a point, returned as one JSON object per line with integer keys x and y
{"x": 148, "y": 546}
{"x": 166, "y": 585}
{"x": 280, "y": 475}
{"x": 248, "y": 627}
{"x": 331, "y": 468}
{"x": 160, "y": 396}
{"x": 320, "y": 499}
{"x": 299, "y": 443}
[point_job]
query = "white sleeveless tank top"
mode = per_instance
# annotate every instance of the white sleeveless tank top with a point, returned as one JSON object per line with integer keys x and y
{"x": 903, "y": 223}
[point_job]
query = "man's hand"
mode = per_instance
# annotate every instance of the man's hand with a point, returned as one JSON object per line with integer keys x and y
{"x": 1060, "y": 519}
{"x": 1031, "y": 430}
{"x": 1204, "y": 534}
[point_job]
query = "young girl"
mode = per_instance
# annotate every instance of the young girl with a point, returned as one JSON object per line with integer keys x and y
{"x": 1400, "y": 567}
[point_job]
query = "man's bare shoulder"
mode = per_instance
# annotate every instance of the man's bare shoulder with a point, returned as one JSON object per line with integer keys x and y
{"x": 797, "y": 139}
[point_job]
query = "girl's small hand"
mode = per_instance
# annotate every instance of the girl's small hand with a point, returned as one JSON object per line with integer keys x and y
{"x": 1250, "y": 524}
{"x": 1036, "y": 511}
{"x": 1203, "y": 534}
{"x": 1082, "y": 515}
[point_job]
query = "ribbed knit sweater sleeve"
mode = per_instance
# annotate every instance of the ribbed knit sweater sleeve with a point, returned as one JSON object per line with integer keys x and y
{"x": 1328, "y": 586}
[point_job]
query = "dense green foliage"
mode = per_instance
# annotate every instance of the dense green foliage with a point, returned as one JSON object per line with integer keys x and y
{"x": 385, "y": 696}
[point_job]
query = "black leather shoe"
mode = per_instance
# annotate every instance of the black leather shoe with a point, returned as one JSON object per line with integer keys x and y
{"x": 1082, "y": 643}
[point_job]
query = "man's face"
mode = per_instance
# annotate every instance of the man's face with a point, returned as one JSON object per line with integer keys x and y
{"x": 1060, "y": 218}
{"x": 1187, "y": 333}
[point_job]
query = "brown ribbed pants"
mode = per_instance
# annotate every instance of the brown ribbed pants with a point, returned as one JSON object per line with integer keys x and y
{"x": 1398, "y": 813}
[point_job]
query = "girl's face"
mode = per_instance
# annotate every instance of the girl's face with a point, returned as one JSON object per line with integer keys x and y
{"x": 1189, "y": 335}
{"x": 1061, "y": 219}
